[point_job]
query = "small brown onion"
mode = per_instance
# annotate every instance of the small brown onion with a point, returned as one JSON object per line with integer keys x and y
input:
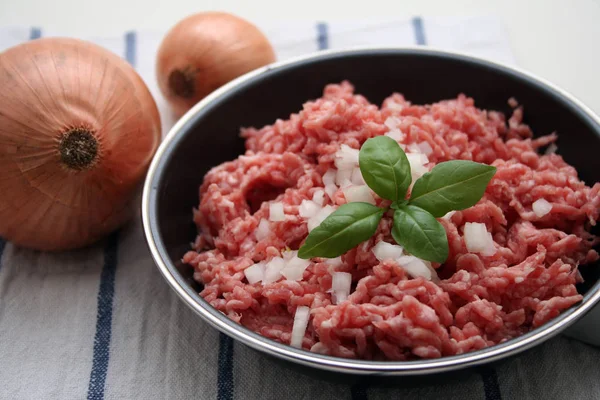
{"x": 205, "y": 51}
{"x": 78, "y": 128}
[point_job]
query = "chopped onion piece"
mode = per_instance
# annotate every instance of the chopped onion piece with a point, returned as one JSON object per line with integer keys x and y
{"x": 276, "y": 212}
{"x": 295, "y": 268}
{"x": 330, "y": 189}
{"x": 395, "y": 134}
{"x": 255, "y": 273}
{"x": 392, "y": 122}
{"x": 299, "y": 327}
{"x": 415, "y": 267}
{"x": 490, "y": 250}
{"x": 425, "y": 148}
{"x": 417, "y": 163}
{"x": 359, "y": 193}
{"x": 308, "y": 208}
{"x": 263, "y": 230}
{"x": 357, "y": 178}
{"x": 340, "y": 284}
{"x": 288, "y": 254}
{"x": 417, "y": 158}
{"x": 448, "y": 215}
{"x": 478, "y": 239}
{"x": 551, "y": 149}
{"x": 273, "y": 270}
{"x": 320, "y": 217}
{"x": 329, "y": 177}
{"x": 346, "y": 157}
{"x": 385, "y": 251}
{"x": 334, "y": 262}
{"x": 414, "y": 148}
{"x": 392, "y": 105}
{"x": 343, "y": 177}
{"x": 475, "y": 235}
{"x": 417, "y": 172}
{"x": 541, "y": 207}
{"x": 319, "y": 197}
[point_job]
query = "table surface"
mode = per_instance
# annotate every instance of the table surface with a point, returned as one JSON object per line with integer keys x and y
{"x": 553, "y": 39}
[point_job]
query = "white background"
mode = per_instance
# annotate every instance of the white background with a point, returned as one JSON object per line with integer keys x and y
{"x": 557, "y": 40}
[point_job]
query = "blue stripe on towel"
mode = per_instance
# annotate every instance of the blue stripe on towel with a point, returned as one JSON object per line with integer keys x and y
{"x": 491, "y": 386}
{"x": 417, "y": 23}
{"x": 358, "y": 391}
{"x": 131, "y": 48}
{"x": 107, "y": 288}
{"x": 104, "y": 320}
{"x": 322, "y": 36}
{"x": 35, "y": 33}
{"x": 225, "y": 378}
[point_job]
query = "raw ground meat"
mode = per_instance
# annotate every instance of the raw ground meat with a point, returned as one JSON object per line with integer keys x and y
{"x": 477, "y": 301}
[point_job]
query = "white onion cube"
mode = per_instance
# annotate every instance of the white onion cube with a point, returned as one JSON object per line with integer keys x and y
{"x": 276, "y": 212}
{"x": 334, "y": 262}
{"x": 295, "y": 268}
{"x": 299, "y": 327}
{"x": 387, "y": 251}
{"x": 541, "y": 207}
{"x": 360, "y": 193}
{"x": 357, "y": 178}
{"x": 308, "y": 208}
{"x": 343, "y": 177}
{"x": 395, "y": 134}
{"x": 340, "y": 285}
{"x": 417, "y": 163}
{"x": 391, "y": 122}
{"x": 425, "y": 148}
{"x": 273, "y": 270}
{"x": 415, "y": 267}
{"x": 319, "y": 197}
{"x": 255, "y": 273}
{"x": 449, "y": 215}
{"x": 478, "y": 239}
{"x": 330, "y": 189}
{"x": 320, "y": 217}
{"x": 329, "y": 177}
{"x": 263, "y": 230}
{"x": 346, "y": 157}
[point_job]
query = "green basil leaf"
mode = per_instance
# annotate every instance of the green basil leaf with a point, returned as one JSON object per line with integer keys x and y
{"x": 452, "y": 185}
{"x": 385, "y": 168}
{"x": 345, "y": 228}
{"x": 420, "y": 233}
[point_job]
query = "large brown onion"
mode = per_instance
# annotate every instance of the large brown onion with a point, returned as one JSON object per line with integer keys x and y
{"x": 205, "y": 51}
{"x": 78, "y": 128}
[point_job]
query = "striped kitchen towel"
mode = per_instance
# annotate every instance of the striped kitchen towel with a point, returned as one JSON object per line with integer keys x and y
{"x": 101, "y": 323}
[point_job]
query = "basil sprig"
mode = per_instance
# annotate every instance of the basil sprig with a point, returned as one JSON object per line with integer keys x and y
{"x": 452, "y": 185}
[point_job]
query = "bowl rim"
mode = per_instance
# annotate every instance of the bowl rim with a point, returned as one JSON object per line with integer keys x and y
{"x": 414, "y": 367}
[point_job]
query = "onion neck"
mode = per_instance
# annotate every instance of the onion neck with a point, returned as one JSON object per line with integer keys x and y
{"x": 78, "y": 148}
{"x": 182, "y": 82}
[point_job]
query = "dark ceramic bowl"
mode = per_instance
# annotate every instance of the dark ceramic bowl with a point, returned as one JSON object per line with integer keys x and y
{"x": 209, "y": 135}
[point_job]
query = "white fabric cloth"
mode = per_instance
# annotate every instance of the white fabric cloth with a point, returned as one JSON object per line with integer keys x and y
{"x": 101, "y": 323}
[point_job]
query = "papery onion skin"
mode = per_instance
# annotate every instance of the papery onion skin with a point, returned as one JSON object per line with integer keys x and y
{"x": 56, "y": 194}
{"x": 205, "y": 51}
